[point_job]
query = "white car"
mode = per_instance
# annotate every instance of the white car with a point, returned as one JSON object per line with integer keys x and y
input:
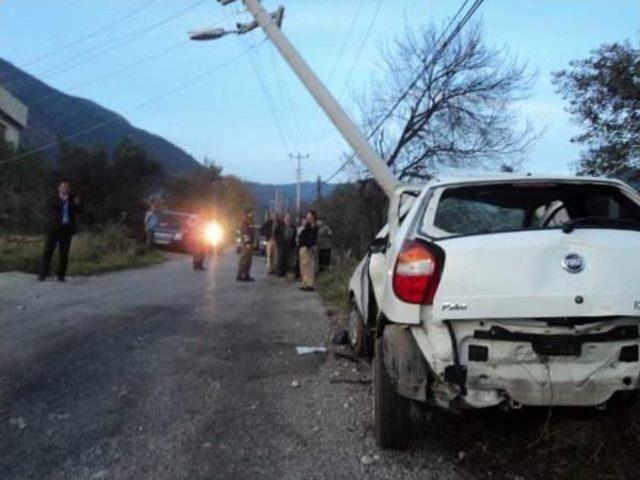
{"x": 503, "y": 291}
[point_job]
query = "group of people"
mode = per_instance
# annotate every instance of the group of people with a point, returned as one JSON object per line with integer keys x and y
{"x": 299, "y": 249}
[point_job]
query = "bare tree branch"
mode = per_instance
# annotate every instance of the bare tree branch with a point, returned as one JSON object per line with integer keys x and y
{"x": 461, "y": 112}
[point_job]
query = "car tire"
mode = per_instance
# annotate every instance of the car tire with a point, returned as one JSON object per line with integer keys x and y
{"x": 390, "y": 411}
{"x": 359, "y": 336}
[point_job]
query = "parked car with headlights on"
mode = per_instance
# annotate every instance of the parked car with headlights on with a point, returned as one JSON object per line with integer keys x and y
{"x": 172, "y": 230}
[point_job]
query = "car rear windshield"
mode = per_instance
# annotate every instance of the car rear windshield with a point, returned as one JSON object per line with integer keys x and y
{"x": 493, "y": 208}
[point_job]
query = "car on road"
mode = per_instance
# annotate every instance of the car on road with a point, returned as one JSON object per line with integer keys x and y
{"x": 503, "y": 291}
{"x": 172, "y": 230}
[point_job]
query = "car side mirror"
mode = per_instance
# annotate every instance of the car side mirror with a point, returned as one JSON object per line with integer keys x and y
{"x": 379, "y": 245}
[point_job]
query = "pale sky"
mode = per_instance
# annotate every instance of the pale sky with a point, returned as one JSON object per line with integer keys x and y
{"x": 227, "y": 116}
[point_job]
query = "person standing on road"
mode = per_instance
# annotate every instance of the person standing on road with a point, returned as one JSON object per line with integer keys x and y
{"x": 61, "y": 226}
{"x": 271, "y": 230}
{"x": 308, "y": 252}
{"x": 287, "y": 246}
{"x": 246, "y": 250}
{"x": 324, "y": 245}
{"x": 150, "y": 223}
{"x": 299, "y": 228}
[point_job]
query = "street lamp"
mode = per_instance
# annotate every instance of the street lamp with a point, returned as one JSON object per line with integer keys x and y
{"x": 242, "y": 28}
{"x": 209, "y": 33}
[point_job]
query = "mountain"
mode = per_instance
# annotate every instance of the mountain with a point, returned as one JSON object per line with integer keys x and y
{"x": 264, "y": 193}
{"x": 54, "y": 115}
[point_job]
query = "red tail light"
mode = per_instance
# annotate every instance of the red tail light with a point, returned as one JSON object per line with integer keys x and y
{"x": 417, "y": 273}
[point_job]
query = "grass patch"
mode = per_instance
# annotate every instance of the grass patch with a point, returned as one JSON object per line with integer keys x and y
{"x": 91, "y": 253}
{"x": 333, "y": 285}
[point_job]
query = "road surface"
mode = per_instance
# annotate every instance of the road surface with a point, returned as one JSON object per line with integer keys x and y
{"x": 166, "y": 373}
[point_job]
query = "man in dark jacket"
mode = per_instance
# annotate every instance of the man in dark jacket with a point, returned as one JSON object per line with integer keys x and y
{"x": 286, "y": 246}
{"x": 61, "y": 226}
{"x": 247, "y": 240}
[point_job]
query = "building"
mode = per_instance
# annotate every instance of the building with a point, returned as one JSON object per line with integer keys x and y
{"x": 13, "y": 117}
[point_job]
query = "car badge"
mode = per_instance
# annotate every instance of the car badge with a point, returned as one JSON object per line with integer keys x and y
{"x": 573, "y": 263}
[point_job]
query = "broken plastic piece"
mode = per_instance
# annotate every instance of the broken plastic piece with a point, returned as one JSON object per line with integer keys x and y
{"x": 305, "y": 350}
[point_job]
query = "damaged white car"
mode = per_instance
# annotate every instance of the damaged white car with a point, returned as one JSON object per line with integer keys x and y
{"x": 507, "y": 291}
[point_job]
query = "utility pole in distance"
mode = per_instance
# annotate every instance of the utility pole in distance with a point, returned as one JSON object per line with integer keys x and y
{"x": 298, "y": 157}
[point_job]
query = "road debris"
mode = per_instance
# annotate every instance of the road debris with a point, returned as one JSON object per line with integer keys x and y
{"x": 357, "y": 381}
{"x": 295, "y": 384}
{"x": 18, "y": 422}
{"x": 367, "y": 460}
{"x": 348, "y": 356}
{"x": 307, "y": 350}
{"x": 340, "y": 338}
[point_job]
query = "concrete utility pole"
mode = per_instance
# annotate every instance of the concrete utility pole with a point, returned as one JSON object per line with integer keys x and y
{"x": 298, "y": 157}
{"x": 347, "y": 128}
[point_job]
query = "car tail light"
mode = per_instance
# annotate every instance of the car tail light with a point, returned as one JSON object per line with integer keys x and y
{"x": 417, "y": 273}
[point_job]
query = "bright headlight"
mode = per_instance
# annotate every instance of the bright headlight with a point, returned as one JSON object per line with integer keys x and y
{"x": 213, "y": 233}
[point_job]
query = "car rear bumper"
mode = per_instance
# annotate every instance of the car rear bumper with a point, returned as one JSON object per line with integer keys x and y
{"x": 166, "y": 239}
{"x": 541, "y": 366}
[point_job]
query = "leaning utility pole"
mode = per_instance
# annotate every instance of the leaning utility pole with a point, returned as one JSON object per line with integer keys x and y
{"x": 298, "y": 157}
{"x": 354, "y": 137}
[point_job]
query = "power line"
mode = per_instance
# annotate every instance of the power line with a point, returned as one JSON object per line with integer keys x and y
{"x": 346, "y": 39}
{"x": 117, "y": 118}
{"x": 341, "y": 50}
{"x": 271, "y": 105}
{"x": 89, "y": 35}
{"x": 113, "y": 73}
{"x": 472, "y": 9}
{"x": 364, "y": 43}
{"x": 111, "y": 44}
{"x": 285, "y": 98}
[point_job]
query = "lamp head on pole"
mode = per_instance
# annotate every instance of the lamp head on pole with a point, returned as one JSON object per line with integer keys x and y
{"x": 208, "y": 34}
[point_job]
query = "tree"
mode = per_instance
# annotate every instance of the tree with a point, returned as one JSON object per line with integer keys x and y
{"x": 455, "y": 107}
{"x": 134, "y": 174}
{"x": 23, "y": 186}
{"x": 90, "y": 174}
{"x": 196, "y": 191}
{"x": 603, "y": 91}
{"x": 362, "y": 204}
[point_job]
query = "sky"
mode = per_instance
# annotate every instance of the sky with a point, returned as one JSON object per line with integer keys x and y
{"x": 236, "y": 102}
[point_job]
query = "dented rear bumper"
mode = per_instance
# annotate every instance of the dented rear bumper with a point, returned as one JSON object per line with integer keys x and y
{"x": 477, "y": 364}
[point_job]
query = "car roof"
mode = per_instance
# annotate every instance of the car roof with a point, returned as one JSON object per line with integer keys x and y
{"x": 179, "y": 214}
{"x": 518, "y": 177}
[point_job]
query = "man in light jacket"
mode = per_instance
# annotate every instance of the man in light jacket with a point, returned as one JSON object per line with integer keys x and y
{"x": 308, "y": 252}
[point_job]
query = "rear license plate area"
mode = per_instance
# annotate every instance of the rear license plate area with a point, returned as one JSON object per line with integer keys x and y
{"x": 551, "y": 346}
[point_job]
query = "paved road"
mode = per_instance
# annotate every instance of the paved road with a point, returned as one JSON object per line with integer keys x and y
{"x": 168, "y": 373}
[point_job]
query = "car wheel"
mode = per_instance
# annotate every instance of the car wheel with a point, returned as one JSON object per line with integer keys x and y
{"x": 359, "y": 337}
{"x": 390, "y": 410}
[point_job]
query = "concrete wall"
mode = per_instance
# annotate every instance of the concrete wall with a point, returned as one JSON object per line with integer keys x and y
{"x": 13, "y": 117}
